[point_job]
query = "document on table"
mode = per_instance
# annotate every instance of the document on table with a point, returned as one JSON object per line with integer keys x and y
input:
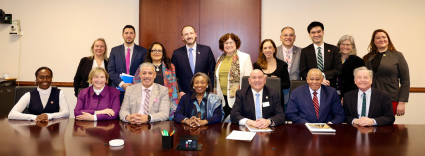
{"x": 241, "y": 135}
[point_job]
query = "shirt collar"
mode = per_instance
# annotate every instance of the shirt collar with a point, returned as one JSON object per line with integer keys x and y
{"x": 254, "y": 92}
{"x": 194, "y": 95}
{"x": 290, "y": 49}
{"x": 321, "y": 47}
{"x": 150, "y": 88}
{"x": 131, "y": 47}
{"x": 44, "y": 91}
{"x": 98, "y": 92}
{"x": 368, "y": 92}
{"x": 317, "y": 91}
{"x": 194, "y": 47}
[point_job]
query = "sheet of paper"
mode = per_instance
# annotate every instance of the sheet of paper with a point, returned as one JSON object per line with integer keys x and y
{"x": 241, "y": 135}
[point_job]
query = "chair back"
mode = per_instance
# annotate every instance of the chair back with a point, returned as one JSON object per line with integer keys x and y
{"x": 296, "y": 83}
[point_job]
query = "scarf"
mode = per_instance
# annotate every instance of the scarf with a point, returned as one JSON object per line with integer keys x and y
{"x": 234, "y": 74}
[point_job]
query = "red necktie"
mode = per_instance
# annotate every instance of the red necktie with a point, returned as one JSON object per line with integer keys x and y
{"x": 316, "y": 105}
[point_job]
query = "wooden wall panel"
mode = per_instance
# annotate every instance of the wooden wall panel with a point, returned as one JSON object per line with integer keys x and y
{"x": 162, "y": 21}
{"x": 241, "y": 17}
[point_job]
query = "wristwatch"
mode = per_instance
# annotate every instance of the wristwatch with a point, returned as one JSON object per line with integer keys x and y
{"x": 149, "y": 118}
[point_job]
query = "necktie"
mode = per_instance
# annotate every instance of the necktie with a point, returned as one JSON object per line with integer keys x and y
{"x": 146, "y": 105}
{"x": 316, "y": 104}
{"x": 192, "y": 65}
{"x": 288, "y": 60}
{"x": 258, "y": 107}
{"x": 319, "y": 59}
{"x": 364, "y": 105}
{"x": 127, "y": 61}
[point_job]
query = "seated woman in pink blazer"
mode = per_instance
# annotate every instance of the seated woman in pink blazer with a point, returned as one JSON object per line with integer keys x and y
{"x": 99, "y": 101}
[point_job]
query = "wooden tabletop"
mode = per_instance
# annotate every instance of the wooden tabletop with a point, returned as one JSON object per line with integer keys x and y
{"x": 71, "y": 137}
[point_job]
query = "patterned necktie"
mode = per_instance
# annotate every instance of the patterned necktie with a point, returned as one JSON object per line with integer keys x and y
{"x": 364, "y": 105}
{"x": 127, "y": 61}
{"x": 319, "y": 59}
{"x": 258, "y": 107}
{"x": 316, "y": 104}
{"x": 146, "y": 105}
{"x": 288, "y": 60}
{"x": 192, "y": 65}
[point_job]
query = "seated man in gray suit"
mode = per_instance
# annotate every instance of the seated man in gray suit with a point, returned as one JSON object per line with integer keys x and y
{"x": 367, "y": 106}
{"x": 147, "y": 101}
{"x": 258, "y": 105}
{"x": 289, "y": 53}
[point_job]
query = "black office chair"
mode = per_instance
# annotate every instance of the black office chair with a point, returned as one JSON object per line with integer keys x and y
{"x": 296, "y": 83}
{"x": 272, "y": 82}
{"x": 20, "y": 91}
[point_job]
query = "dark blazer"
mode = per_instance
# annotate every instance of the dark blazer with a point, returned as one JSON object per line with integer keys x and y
{"x": 380, "y": 109}
{"x": 244, "y": 106}
{"x": 281, "y": 72}
{"x": 332, "y": 63}
{"x": 185, "y": 107}
{"x": 205, "y": 63}
{"x": 117, "y": 62}
{"x": 350, "y": 64}
{"x": 301, "y": 108}
{"x": 82, "y": 75}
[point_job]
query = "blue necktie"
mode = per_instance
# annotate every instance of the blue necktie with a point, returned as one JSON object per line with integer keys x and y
{"x": 192, "y": 65}
{"x": 258, "y": 107}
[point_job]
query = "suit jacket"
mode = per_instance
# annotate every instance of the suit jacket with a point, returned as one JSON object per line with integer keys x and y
{"x": 117, "y": 62}
{"x": 380, "y": 109}
{"x": 332, "y": 62}
{"x": 294, "y": 73}
{"x": 245, "y": 67}
{"x": 89, "y": 102}
{"x": 352, "y": 63}
{"x": 205, "y": 63}
{"x": 159, "y": 103}
{"x": 301, "y": 108}
{"x": 82, "y": 74}
{"x": 244, "y": 106}
{"x": 185, "y": 107}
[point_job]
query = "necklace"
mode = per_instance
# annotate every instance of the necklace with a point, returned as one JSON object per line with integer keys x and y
{"x": 157, "y": 67}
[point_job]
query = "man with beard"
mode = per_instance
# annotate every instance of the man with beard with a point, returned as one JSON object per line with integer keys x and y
{"x": 125, "y": 58}
{"x": 147, "y": 101}
{"x": 190, "y": 59}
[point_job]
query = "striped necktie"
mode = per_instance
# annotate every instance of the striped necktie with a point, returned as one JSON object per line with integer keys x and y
{"x": 364, "y": 105}
{"x": 316, "y": 105}
{"x": 319, "y": 59}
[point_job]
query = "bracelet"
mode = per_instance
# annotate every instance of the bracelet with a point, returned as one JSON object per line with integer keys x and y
{"x": 184, "y": 121}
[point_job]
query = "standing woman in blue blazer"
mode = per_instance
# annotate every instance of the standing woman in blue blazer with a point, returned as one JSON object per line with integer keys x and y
{"x": 98, "y": 58}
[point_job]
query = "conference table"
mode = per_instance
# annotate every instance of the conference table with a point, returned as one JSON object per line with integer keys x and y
{"x": 72, "y": 137}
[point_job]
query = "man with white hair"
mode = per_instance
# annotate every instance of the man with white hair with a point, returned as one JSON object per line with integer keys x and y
{"x": 367, "y": 106}
{"x": 147, "y": 101}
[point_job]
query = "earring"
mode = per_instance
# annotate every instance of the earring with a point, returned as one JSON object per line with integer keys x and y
{"x": 207, "y": 86}
{"x": 193, "y": 87}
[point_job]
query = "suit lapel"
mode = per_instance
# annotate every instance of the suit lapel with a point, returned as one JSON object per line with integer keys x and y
{"x": 138, "y": 104}
{"x": 122, "y": 54}
{"x": 186, "y": 59}
{"x": 312, "y": 53}
{"x": 373, "y": 102}
{"x": 309, "y": 101}
{"x": 323, "y": 100}
{"x": 153, "y": 96}
{"x": 251, "y": 103}
{"x": 355, "y": 103}
{"x": 198, "y": 55}
{"x": 135, "y": 53}
{"x": 327, "y": 57}
{"x": 265, "y": 99}
{"x": 294, "y": 49}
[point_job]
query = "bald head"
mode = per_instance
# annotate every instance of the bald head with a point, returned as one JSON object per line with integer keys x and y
{"x": 257, "y": 80}
{"x": 314, "y": 78}
{"x": 314, "y": 71}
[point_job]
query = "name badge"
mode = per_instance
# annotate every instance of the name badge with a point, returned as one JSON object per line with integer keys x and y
{"x": 266, "y": 104}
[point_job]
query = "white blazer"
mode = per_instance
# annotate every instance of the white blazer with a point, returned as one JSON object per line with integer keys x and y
{"x": 245, "y": 70}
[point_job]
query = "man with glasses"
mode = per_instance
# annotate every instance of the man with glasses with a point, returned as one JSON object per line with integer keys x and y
{"x": 190, "y": 59}
{"x": 325, "y": 57}
{"x": 291, "y": 55}
{"x": 125, "y": 58}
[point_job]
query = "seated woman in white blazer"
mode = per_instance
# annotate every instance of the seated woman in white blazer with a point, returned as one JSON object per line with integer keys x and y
{"x": 229, "y": 70}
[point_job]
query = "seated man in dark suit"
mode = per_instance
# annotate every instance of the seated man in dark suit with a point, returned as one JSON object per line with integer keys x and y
{"x": 367, "y": 106}
{"x": 314, "y": 102}
{"x": 258, "y": 105}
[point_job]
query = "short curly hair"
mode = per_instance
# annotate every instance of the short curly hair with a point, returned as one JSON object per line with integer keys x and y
{"x": 225, "y": 37}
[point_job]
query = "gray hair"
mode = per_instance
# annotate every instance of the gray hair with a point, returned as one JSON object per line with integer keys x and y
{"x": 287, "y": 28}
{"x": 362, "y": 68}
{"x": 353, "y": 45}
{"x": 146, "y": 64}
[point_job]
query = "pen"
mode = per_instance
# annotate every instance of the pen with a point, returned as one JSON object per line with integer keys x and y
{"x": 162, "y": 133}
{"x": 172, "y": 133}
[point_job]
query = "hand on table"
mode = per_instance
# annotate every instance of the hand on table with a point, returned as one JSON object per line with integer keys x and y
{"x": 85, "y": 116}
{"x": 42, "y": 118}
{"x": 106, "y": 111}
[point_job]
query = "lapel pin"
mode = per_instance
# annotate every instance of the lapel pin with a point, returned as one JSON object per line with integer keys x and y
{"x": 199, "y": 52}
{"x": 385, "y": 54}
{"x": 267, "y": 97}
{"x": 329, "y": 51}
{"x": 51, "y": 102}
{"x": 293, "y": 53}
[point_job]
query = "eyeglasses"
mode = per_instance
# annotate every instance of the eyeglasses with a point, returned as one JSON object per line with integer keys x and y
{"x": 346, "y": 45}
{"x": 229, "y": 43}
{"x": 156, "y": 51}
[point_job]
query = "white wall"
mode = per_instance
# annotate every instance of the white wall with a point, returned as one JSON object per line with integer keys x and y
{"x": 403, "y": 20}
{"x": 57, "y": 34}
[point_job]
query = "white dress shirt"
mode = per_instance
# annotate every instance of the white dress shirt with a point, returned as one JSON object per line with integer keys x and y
{"x": 16, "y": 112}
{"x": 193, "y": 52}
{"x": 244, "y": 120}
{"x": 95, "y": 64}
{"x": 318, "y": 94}
{"x": 125, "y": 54}
{"x": 360, "y": 104}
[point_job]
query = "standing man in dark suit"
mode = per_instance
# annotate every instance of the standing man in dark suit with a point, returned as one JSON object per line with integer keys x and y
{"x": 321, "y": 55}
{"x": 291, "y": 55}
{"x": 367, "y": 106}
{"x": 125, "y": 58}
{"x": 258, "y": 105}
{"x": 190, "y": 59}
{"x": 323, "y": 106}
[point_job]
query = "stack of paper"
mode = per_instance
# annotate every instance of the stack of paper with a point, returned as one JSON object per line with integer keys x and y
{"x": 319, "y": 128}
{"x": 241, "y": 135}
